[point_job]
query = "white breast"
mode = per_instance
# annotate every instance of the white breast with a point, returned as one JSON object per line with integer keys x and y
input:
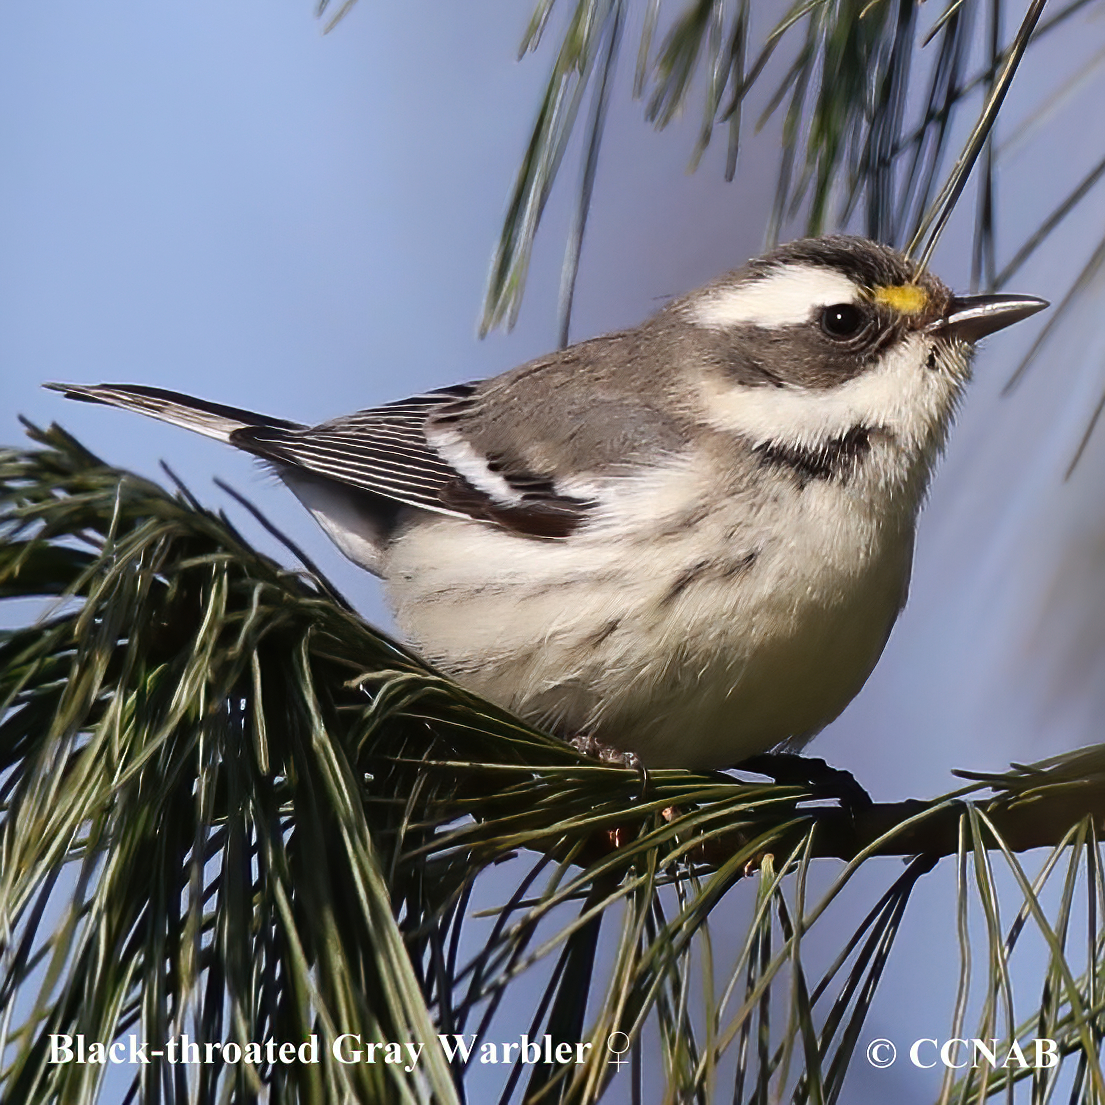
{"x": 689, "y": 627}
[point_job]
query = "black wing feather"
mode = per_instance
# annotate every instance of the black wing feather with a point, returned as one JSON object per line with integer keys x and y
{"x": 384, "y": 450}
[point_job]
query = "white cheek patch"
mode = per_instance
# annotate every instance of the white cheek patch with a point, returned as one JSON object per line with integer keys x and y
{"x": 782, "y": 299}
{"x": 901, "y": 395}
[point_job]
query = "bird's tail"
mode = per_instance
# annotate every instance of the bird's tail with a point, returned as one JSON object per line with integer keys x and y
{"x": 210, "y": 419}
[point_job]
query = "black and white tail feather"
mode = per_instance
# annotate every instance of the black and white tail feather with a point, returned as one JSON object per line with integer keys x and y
{"x": 383, "y": 453}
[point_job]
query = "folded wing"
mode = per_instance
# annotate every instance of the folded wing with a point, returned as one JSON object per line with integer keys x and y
{"x": 384, "y": 451}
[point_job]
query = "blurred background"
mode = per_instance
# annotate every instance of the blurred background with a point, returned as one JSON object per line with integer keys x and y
{"x": 220, "y": 199}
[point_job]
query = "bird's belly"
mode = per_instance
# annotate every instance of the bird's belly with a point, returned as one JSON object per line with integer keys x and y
{"x": 748, "y": 690}
{"x": 687, "y": 649}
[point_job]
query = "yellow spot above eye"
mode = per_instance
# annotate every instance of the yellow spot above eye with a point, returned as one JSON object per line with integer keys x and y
{"x": 906, "y": 299}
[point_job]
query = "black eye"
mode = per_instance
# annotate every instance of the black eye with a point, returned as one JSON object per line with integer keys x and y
{"x": 842, "y": 321}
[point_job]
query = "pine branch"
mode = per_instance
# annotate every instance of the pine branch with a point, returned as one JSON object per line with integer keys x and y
{"x": 932, "y": 828}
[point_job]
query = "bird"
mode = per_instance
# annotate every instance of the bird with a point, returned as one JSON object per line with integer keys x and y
{"x": 688, "y": 540}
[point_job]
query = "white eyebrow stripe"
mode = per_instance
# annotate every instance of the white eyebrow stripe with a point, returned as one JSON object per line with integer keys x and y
{"x": 783, "y": 298}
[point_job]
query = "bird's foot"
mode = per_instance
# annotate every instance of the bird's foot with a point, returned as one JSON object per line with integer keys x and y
{"x": 587, "y": 745}
{"x": 789, "y": 768}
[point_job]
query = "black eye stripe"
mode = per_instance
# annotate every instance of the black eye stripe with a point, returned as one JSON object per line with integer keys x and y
{"x": 801, "y": 354}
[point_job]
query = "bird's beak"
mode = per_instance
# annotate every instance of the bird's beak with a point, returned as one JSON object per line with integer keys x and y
{"x": 971, "y": 317}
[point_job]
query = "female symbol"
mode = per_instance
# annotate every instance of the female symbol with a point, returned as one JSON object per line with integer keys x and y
{"x": 618, "y": 1051}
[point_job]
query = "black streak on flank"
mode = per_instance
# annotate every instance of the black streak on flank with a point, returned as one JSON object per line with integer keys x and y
{"x": 708, "y": 569}
{"x": 607, "y": 630}
{"x": 835, "y": 460}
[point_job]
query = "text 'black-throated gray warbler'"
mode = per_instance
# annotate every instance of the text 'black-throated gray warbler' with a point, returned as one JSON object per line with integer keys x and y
{"x": 688, "y": 540}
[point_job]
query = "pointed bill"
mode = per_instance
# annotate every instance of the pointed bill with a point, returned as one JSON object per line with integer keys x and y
{"x": 971, "y": 317}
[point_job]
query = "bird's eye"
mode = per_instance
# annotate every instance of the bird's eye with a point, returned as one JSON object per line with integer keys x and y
{"x": 842, "y": 321}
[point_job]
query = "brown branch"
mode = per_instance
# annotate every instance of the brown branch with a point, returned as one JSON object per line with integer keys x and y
{"x": 1033, "y": 820}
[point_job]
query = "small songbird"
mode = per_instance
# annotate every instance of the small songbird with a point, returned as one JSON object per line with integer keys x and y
{"x": 688, "y": 540}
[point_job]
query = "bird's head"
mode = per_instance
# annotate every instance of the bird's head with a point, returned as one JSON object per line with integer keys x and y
{"x": 829, "y": 337}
